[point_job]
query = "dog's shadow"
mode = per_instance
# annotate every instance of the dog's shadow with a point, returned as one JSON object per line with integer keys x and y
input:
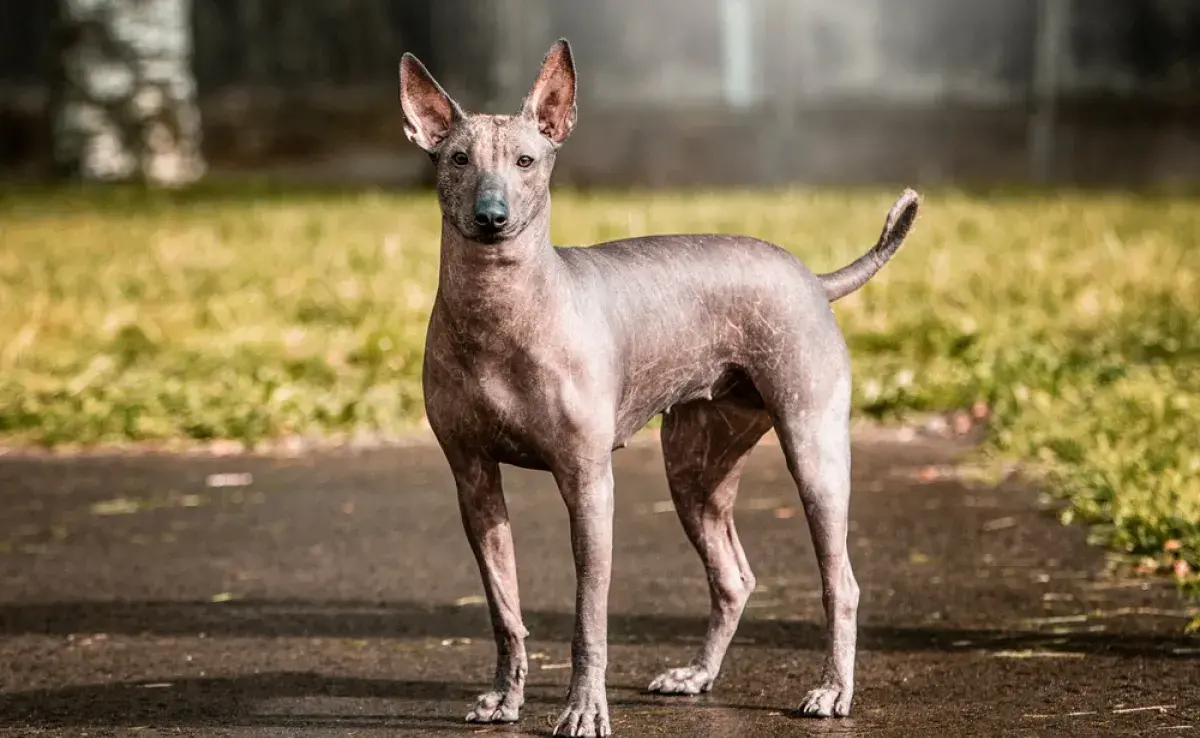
{"x": 403, "y": 707}
{"x": 259, "y": 618}
{"x": 230, "y": 701}
{"x": 419, "y": 705}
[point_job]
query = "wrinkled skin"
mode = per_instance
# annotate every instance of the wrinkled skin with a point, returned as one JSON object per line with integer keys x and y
{"x": 551, "y": 358}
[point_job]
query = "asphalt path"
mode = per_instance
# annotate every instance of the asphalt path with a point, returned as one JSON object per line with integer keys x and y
{"x": 333, "y": 593}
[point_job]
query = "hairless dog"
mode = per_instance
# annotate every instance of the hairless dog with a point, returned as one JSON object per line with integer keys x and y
{"x": 551, "y": 358}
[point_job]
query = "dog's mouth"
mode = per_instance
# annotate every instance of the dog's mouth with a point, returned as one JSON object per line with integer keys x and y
{"x": 484, "y": 235}
{"x": 490, "y": 236}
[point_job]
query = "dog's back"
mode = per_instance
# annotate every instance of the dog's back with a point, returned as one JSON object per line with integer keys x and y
{"x": 694, "y": 315}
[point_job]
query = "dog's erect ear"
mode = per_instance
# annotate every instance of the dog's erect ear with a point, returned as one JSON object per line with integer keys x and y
{"x": 429, "y": 113}
{"x": 551, "y": 102}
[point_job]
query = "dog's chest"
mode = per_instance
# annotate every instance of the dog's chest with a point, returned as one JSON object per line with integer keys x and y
{"x": 516, "y": 403}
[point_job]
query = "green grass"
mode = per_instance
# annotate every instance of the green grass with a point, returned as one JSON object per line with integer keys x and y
{"x": 127, "y": 315}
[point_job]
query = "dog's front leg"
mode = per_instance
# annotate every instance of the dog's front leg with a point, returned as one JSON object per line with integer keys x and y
{"x": 485, "y": 518}
{"x": 587, "y": 489}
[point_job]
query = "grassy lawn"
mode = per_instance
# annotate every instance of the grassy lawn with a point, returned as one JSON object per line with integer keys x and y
{"x": 1076, "y": 318}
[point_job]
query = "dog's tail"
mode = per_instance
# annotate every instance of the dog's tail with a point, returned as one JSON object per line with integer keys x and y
{"x": 854, "y": 275}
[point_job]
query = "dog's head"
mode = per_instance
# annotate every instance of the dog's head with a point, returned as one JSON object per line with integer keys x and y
{"x": 493, "y": 171}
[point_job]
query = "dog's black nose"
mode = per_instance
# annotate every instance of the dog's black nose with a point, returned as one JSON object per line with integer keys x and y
{"x": 491, "y": 213}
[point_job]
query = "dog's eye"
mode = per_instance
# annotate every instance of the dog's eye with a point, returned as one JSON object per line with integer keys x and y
{"x": 524, "y": 162}
{"x": 460, "y": 159}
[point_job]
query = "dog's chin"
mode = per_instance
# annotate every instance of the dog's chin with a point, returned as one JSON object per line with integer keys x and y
{"x": 490, "y": 238}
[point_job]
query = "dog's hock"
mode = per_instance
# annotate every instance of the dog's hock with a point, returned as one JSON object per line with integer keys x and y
{"x": 551, "y": 101}
{"x": 429, "y": 113}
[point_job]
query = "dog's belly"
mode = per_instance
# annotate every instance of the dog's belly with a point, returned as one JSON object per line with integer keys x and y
{"x": 520, "y": 447}
{"x": 519, "y": 456}
{"x": 726, "y": 384}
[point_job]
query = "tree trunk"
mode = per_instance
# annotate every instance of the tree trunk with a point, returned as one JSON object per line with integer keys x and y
{"x": 125, "y": 96}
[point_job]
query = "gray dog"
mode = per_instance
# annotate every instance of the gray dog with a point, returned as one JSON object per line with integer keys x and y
{"x": 551, "y": 358}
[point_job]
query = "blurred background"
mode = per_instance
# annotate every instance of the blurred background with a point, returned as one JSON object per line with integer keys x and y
{"x": 218, "y": 258}
{"x": 676, "y": 92}
{"x": 1047, "y": 293}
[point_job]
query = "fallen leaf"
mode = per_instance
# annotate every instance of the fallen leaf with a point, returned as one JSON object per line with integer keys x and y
{"x": 222, "y": 597}
{"x": 1055, "y": 620}
{"x": 928, "y": 474}
{"x": 1029, "y": 653}
{"x": 116, "y": 506}
{"x": 1158, "y": 708}
{"x": 470, "y": 600}
{"x": 999, "y": 524}
{"x": 229, "y": 480}
{"x": 223, "y": 447}
{"x": 962, "y": 423}
{"x": 937, "y": 426}
{"x": 783, "y": 513}
{"x": 90, "y": 640}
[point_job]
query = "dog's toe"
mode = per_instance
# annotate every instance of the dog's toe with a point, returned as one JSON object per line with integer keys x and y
{"x": 827, "y": 701}
{"x": 685, "y": 680}
{"x": 587, "y": 716}
{"x": 495, "y": 707}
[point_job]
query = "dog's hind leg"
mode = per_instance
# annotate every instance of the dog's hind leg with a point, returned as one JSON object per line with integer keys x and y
{"x": 705, "y": 446}
{"x": 813, "y": 426}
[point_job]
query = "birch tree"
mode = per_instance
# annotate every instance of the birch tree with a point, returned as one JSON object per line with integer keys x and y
{"x": 125, "y": 95}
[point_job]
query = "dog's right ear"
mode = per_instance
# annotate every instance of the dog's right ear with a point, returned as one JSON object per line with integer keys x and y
{"x": 429, "y": 113}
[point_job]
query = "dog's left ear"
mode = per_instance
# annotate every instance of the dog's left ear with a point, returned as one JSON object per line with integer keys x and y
{"x": 551, "y": 102}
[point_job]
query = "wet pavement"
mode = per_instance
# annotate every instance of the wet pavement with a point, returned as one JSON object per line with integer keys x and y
{"x": 335, "y": 595}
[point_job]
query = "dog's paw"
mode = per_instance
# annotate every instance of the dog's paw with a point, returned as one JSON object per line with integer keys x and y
{"x": 685, "y": 680}
{"x": 587, "y": 716}
{"x": 827, "y": 701}
{"x": 496, "y": 707}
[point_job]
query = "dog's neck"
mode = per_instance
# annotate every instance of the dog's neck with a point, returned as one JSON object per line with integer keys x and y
{"x": 500, "y": 287}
